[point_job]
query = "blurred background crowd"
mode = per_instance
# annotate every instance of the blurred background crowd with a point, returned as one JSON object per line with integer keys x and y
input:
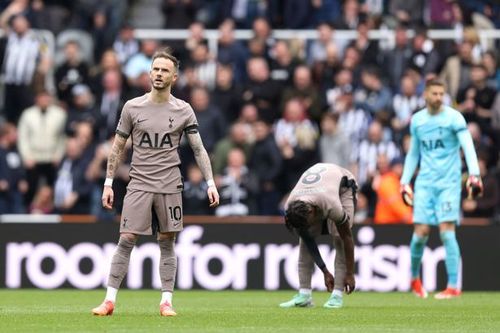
{"x": 268, "y": 108}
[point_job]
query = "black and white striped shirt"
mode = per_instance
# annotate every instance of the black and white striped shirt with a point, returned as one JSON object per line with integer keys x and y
{"x": 367, "y": 156}
{"x": 21, "y": 58}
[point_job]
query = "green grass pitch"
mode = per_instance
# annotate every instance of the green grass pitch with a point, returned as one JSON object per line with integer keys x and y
{"x": 245, "y": 311}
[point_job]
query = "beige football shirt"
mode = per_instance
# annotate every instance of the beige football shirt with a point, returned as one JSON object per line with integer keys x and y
{"x": 320, "y": 185}
{"x": 156, "y": 130}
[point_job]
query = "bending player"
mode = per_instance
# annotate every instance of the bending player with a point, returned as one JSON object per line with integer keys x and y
{"x": 437, "y": 133}
{"x": 153, "y": 203}
{"x": 323, "y": 202}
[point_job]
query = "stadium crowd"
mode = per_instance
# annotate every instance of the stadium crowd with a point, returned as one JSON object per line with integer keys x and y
{"x": 267, "y": 108}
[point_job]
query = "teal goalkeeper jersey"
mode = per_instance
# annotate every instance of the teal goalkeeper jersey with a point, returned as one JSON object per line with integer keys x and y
{"x": 435, "y": 143}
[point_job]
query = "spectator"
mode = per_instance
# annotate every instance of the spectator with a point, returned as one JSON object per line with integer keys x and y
{"x": 84, "y": 133}
{"x": 109, "y": 61}
{"x": 425, "y": 57}
{"x": 71, "y": 72}
{"x": 296, "y": 14}
{"x": 13, "y": 184}
{"x": 407, "y": 11}
{"x": 203, "y": 65}
{"x": 243, "y": 12}
{"x": 296, "y": 136}
{"x": 396, "y": 61}
{"x": 231, "y": 51}
{"x": 257, "y": 48}
{"x": 390, "y": 207}
{"x": 83, "y": 108}
{"x": 404, "y": 104}
{"x": 440, "y": 14}
{"x": 238, "y": 186}
{"x": 41, "y": 141}
{"x": 261, "y": 90}
{"x": 266, "y": 163}
{"x": 373, "y": 96}
{"x": 487, "y": 205}
{"x": 490, "y": 62}
{"x": 325, "y": 11}
{"x": 125, "y": 45}
{"x": 350, "y": 16}
{"x": 140, "y": 63}
{"x": 351, "y": 61}
{"x": 353, "y": 120}
{"x": 194, "y": 195}
{"x": 475, "y": 100}
{"x": 25, "y": 62}
{"x": 237, "y": 138}
{"x": 196, "y": 36}
{"x": 283, "y": 64}
{"x": 456, "y": 71}
{"x": 304, "y": 90}
{"x": 334, "y": 145}
{"x": 110, "y": 104}
{"x": 368, "y": 151}
{"x": 317, "y": 51}
{"x": 71, "y": 189}
{"x": 262, "y": 31}
{"x": 211, "y": 122}
{"x": 227, "y": 93}
{"x": 343, "y": 82}
{"x": 324, "y": 71}
{"x": 368, "y": 48}
{"x": 179, "y": 13}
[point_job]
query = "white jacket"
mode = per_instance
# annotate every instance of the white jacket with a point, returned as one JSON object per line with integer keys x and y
{"x": 41, "y": 135}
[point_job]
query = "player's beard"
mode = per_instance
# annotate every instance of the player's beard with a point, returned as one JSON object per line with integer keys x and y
{"x": 435, "y": 106}
{"x": 160, "y": 87}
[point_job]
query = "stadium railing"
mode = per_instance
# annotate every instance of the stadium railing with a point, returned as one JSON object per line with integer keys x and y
{"x": 387, "y": 35}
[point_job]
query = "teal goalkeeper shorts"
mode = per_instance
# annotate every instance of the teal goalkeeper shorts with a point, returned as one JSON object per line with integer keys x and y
{"x": 434, "y": 205}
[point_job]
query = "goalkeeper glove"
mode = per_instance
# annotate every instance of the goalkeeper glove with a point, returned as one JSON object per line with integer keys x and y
{"x": 407, "y": 194}
{"x": 474, "y": 187}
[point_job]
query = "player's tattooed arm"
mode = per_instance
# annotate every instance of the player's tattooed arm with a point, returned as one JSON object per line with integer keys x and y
{"x": 200, "y": 153}
{"x": 116, "y": 155}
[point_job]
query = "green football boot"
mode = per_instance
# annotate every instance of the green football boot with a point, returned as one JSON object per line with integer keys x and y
{"x": 334, "y": 302}
{"x": 299, "y": 300}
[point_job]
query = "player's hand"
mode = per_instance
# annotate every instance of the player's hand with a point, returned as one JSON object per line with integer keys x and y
{"x": 213, "y": 196}
{"x": 474, "y": 186}
{"x": 329, "y": 281}
{"x": 107, "y": 197}
{"x": 349, "y": 283}
{"x": 407, "y": 194}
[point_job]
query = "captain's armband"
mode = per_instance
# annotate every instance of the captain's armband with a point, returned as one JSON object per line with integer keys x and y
{"x": 193, "y": 129}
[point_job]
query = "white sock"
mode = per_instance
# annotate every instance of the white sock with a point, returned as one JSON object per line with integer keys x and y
{"x": 337, "y": 292}
{"x": 111, "y": 294}
{"x": 305, "y": 291}
{"x": 166, "y": 296}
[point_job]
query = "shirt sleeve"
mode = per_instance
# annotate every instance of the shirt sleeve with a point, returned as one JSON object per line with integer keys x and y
{"x": 413, "y": 156}
{"x": 465, "y": 139}
{"x": 191, "y": 121}
{"x": 124, "y": 127}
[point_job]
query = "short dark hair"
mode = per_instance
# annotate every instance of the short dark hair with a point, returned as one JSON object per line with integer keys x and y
{"x": 434, "y": 83}
{"x": 296, "y": 214}
{"x": 166, "y": 53}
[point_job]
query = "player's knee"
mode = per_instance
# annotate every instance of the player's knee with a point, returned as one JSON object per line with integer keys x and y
{"x": 166, "y": 236}
{"x": 131, "y": 238}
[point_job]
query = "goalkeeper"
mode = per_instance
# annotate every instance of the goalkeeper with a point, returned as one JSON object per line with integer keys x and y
{"x": 437, "y": 133}
{"x": 323, "y": 202}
